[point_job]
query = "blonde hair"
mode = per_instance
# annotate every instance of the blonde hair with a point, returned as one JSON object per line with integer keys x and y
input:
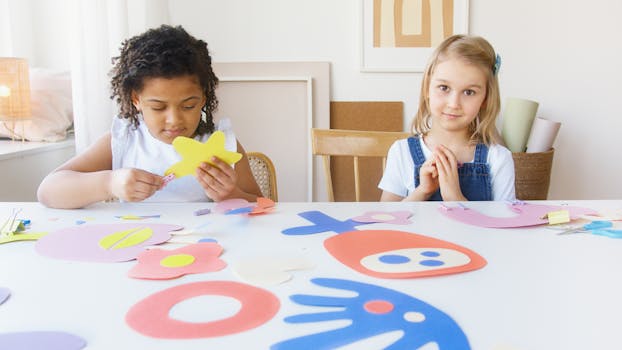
{"x": 474, "y": 50}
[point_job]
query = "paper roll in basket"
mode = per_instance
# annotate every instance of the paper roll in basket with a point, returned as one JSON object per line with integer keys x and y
{"x": 532, "y": 174}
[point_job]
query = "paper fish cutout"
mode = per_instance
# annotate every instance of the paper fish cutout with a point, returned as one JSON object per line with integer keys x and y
{"x": 397, "y": 254}
{"x": 374, "y": 311}
{"x": 193, "y": 153}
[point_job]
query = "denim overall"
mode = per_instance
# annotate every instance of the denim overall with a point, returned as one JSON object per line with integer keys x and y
{"x": 474, "y": 177}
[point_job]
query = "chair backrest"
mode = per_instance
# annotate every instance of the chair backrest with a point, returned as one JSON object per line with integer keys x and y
{"x": 265, "y": 174}
{"x": 354, "y": 143}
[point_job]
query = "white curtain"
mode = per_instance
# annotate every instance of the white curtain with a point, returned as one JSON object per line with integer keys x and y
{"x": 98, "y": 28}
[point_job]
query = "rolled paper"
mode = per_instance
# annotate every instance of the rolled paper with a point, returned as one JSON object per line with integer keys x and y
{"x": 518, "y": 117}
{"x": 542, "y": 136}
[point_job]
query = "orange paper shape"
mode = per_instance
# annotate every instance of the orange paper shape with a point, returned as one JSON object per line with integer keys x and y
{"x": 193, "y": 153}
{"x": 264, "y": 206}
{"x": 151, "y": 315}
{"x": 166, "y": 264}
{"x": 397, "y": 254}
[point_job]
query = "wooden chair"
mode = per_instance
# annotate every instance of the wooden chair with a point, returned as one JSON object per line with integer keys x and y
{"x": 354, "y": 143}
{"x": 265, "y": 174}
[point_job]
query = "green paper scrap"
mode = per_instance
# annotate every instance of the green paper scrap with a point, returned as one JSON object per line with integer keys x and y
{"x": 518, "y": 117}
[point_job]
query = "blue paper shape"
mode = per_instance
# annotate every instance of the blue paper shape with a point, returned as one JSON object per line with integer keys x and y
{"x": 420, "y": 322}
{"x": 243, "y": 210}
{"x": 322, "y": 223}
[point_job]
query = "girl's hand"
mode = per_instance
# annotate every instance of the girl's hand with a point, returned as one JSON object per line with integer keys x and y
{"x": 219, "y": 180}
{"x": 134, "y": 185}
{"x": 449, "y": 182}
{"x": 428, "y": 178}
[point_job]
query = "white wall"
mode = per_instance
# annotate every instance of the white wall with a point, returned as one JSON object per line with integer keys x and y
{"x": 564, "y": 54}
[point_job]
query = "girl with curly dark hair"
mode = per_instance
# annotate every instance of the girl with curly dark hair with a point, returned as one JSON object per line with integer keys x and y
{"x": 165, "y": 87}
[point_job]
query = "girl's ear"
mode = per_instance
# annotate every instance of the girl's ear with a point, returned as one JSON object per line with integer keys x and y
{"x": 135, "y": 101}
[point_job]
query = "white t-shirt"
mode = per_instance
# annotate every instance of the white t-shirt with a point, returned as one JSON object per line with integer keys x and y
{"x": 137, "y": 148}
{"x": 399, "y": 174}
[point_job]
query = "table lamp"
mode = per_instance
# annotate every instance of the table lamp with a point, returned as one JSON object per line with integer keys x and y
{"x": 14, "y": 92}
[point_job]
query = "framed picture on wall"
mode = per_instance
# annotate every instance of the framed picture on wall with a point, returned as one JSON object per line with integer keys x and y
{"x": 400, "y": 35}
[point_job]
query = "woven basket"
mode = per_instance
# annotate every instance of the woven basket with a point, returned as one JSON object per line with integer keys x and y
{"x": 533, "y": 174}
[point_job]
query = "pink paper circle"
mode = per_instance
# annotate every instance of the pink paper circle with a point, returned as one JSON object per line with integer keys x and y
{"x": 151, "y": 315}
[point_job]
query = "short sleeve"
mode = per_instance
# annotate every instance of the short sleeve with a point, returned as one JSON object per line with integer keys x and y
{"x": 502, "y": 173}
{"x": 393, "y": 179}
{"x": 231, "y": 143}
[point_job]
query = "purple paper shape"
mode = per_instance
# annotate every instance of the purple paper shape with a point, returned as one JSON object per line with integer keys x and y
{"x": 82, "y": 243}
{"x": 4, "y": 294}
{"x": 322, "y": 223}
{"x": 41, "y": 341}
{"x": 373, "y": 311}
{"x": 230, "y": 204}
{"x": 526, "y": 215}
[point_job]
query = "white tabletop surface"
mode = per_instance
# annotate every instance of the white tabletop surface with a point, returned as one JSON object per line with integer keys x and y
{"x": 538, "y": 290}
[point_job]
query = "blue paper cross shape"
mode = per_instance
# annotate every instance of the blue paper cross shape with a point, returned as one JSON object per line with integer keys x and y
{"x": 322, "y": 223}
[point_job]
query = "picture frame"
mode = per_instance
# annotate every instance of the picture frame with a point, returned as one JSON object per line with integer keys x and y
{"x": 383, "y": 49}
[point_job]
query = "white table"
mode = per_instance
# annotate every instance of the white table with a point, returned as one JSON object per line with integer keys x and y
{"x": 538, "y": 290}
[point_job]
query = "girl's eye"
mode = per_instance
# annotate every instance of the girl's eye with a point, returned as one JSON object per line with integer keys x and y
{"x": 443, "y": 87}
{"x": 189, "y": 107}
{"x": 470, "y": 92}
{"x": 158, "y": 108}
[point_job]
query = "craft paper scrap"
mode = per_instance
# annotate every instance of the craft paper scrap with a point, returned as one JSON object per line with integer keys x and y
{"x": 168, "y": 264}
{"x": 397, "y": 254}
{"x": 526, "y": 214}
{"x": 103, "y": 242}
{"x": 151, "y": 316}
{"x": 137, "y": 217}
{"x": 41, "y": 340}
{"x": 4, "y": 294}
{"x": 558, "y": 217}
{"x": 223, "y": 207}
{"x": 387, "y": 217}
{"x": 193, "y": 153}
{"x": 269, "y": 270}
{"x": 373, "y": 311}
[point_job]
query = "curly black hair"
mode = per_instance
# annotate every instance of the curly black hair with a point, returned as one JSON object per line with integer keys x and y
{"x": 165, "y": 52}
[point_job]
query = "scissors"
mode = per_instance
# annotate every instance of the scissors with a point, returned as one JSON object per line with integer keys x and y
{"x": 598, "y": 227}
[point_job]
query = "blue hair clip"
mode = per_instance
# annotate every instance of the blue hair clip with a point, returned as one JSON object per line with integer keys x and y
{"x": 497, "y": 66}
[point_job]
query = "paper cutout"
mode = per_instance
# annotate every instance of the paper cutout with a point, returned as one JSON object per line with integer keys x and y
{"x": 322, "y": 223}
{"x": 151, "y": 315}
{"x": 558, "y": 217}
{"x": 387, "y": 217}
{"x": 4, "y": 294}
{"x": 193, "y": 153}
{"x": 373, "y": 311}
{"x": 12, "y": 230}
{"x": 526, "y": 215}
{"x": 263, "y": 206}
{"x": 121, "y": 242}
{"x": 21, "y": 237}
{"x": 41, "y": 340}
{"x": 397, "y": 254}
{"x": 270, "y": 270}
{"x": 138, "y": 217}
{"x": 200, "y": 212}
{"x": 223, "y": 207}
{"x": 167, "y": 264}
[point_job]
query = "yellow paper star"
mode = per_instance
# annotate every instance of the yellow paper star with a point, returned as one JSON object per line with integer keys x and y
{"x": 193, "y": 153}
